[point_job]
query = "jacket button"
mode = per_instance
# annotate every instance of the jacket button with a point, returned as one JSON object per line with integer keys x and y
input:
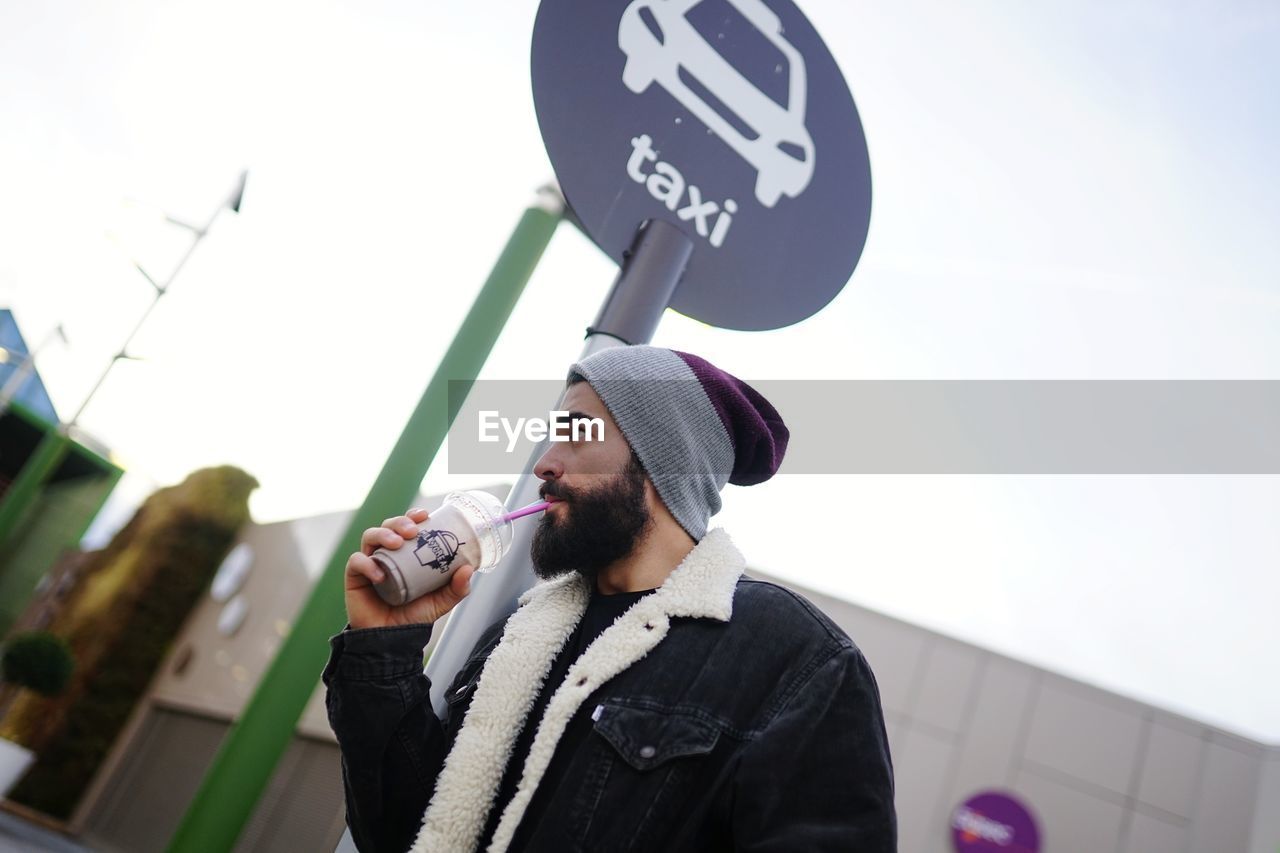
{"x": 647, "y": 752}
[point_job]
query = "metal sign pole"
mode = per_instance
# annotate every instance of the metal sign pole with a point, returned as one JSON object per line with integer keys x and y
{"x": 630, "y": 315}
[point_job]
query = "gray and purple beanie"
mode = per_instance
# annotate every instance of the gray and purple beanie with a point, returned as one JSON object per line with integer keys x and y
{"x": 693, "y": 426}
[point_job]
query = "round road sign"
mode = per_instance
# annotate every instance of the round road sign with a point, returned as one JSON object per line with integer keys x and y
{"x": 727, "y": 118}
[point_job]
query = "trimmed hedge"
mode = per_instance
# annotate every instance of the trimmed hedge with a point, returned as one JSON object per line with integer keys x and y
{"x": 120, "y": 621}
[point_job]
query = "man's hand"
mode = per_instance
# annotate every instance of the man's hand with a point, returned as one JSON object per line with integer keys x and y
{"x": 366, "y": 609}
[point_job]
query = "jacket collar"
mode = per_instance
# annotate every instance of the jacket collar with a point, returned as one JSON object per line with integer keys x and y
{"x": 702, "y": 586}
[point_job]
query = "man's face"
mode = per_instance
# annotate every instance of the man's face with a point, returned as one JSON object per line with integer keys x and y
{"x": 601, "y": 511}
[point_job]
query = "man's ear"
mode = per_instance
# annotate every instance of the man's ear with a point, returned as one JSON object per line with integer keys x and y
{"x": 654, "y": 501}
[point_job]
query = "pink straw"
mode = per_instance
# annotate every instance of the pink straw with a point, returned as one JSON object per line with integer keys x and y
{"x": 527, "y": 510}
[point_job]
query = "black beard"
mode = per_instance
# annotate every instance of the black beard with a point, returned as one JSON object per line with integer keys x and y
{"x": 601, "y": 526}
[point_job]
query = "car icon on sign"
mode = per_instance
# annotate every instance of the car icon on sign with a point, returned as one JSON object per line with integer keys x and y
{"x": 662, "y": 46}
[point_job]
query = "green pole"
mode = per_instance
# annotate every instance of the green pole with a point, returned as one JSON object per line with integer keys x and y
{"x": 244, "y": 763}
{"x": 26, "y": 486}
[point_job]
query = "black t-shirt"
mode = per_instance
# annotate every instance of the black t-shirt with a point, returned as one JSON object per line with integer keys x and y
{"x": 601, "y": 612}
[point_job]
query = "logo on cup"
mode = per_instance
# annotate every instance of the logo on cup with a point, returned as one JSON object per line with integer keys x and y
{"x": 437, "y": 549}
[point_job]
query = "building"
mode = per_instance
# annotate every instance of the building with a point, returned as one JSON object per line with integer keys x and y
{"x": 51, "y": 486}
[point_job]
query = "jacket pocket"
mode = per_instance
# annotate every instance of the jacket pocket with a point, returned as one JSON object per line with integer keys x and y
{"x": 647, "y": 739}
{"x": 646, "y": 777}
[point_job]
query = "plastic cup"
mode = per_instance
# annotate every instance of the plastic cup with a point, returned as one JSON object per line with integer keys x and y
{"x": 468, "y": 528}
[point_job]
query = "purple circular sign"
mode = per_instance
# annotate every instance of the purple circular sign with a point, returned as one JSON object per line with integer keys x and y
{"x": 993, "y": 820}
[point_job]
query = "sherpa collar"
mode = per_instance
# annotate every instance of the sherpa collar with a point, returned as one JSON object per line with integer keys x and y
{"x": 702, "y": 586}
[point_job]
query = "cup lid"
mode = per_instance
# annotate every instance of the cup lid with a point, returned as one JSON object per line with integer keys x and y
{"x": 485, "y": 512}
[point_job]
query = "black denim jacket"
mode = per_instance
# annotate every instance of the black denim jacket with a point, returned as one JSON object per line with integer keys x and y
{"x": 763, "y": 733}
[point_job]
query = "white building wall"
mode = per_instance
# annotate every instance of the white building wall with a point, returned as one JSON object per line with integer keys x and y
{"x": 1266, "y": 813}
{"x": 1102, "y": 774}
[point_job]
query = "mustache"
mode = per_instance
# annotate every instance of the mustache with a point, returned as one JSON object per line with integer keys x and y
{"x": 555, "y": 490}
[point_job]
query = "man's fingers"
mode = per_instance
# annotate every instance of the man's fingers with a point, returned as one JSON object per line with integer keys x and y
{"x": 402, "y": 524}
{"x": 454, "y": 591}
{"x": 380, "y": 537}
{"x": 460, "y": 583}
{"x": 434, "y": 605}
{"x": 393, "y": 532}
{"x": 362, "y": 571}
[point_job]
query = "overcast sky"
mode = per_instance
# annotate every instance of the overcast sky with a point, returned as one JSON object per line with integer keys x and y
{"x": 1062, "y": 190}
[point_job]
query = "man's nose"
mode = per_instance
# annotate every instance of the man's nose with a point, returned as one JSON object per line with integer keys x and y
{"x": 548, "y": 467}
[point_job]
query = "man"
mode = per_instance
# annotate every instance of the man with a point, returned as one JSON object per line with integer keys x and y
{"x": 645, "y": 695}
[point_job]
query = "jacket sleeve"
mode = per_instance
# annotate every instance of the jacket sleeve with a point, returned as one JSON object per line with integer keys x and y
{"x": 392, "y": 743}
{"x": 819, "y": 777}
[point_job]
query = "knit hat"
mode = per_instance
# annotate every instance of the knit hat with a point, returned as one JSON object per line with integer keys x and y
{"x": 693, "y": 426}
